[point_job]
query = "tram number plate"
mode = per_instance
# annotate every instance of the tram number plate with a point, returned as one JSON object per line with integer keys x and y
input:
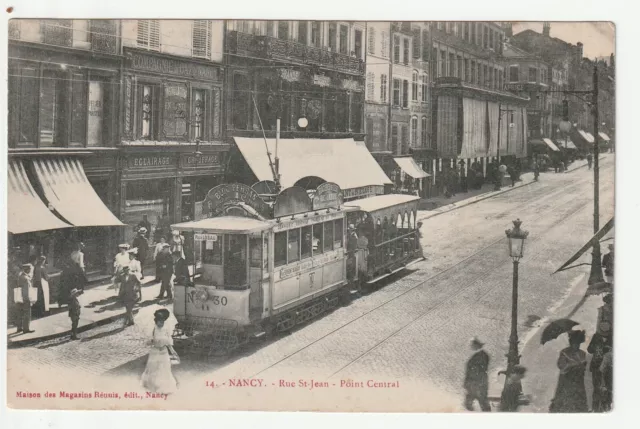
{"x": 219, "y": 300}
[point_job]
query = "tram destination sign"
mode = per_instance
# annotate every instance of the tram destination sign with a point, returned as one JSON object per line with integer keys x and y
{"x": 223, "y": 196}
{"x": 327, "y": 195}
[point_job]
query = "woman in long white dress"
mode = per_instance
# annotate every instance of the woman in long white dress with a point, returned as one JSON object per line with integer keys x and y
{"x": 157, "y": 376}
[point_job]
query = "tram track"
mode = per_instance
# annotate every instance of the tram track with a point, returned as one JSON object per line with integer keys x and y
{"x": 542, "y": 213}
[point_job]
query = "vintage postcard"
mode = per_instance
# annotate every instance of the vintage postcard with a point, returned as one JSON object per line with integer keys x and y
{"x": 277, "y": 215}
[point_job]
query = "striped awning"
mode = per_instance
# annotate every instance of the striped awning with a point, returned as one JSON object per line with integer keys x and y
{"x": 552, "y": 146}
{"x": 26, "y": 211}
{"x": 604, "y": 137}
{"x": 68, "y": 190}
{"x": 567, "y": 144}
{"x": 588, "y": 137}
{"x": 409, "y": 166}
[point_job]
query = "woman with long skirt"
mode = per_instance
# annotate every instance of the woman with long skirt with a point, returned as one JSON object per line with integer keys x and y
{"x": 157, "y": 376}
{"x": 571, "y": 394}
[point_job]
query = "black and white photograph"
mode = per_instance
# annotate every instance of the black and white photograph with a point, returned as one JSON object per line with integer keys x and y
{"x": 302, "y": 215}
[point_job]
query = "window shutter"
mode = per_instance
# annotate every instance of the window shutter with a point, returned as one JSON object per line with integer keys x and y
{"x": 372, "y": 40}
{"x": 143, "y": 32}
{"x": 370, "y": 86}
{"x": 149, "y": 34}
{"x": 154, "y": 34}
{"x": 416, "y": 43}
{"x": 201, "y": 38}
{"x": 425, "y": 45}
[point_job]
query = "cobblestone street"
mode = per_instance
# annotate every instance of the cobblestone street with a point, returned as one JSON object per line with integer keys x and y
{"x": 413, "y": 329}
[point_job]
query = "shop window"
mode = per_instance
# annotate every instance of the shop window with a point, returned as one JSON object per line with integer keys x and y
{"x": 303, "y": 28}
{"x": 255, "y": 252}
{"x": 201, "y": 39}
{"x": 318, "y": 239}
{"x": 283, "y": 30}
{"x": 338, "y": 233}
{"x": 280, "y": 249}
{"x": 344, "y": 39}
{"x": 211, "y": 251}
{"x": 198, "y": 103}
{"x": 148, "y": 111}
{"x": 383, "y": 88}
{"x": 52, "y": 94}
{"x": 293, "y": 246}
{"x": 328, "y": 236}
{"x": 151, "y": 198}
{"x": 149, "y": 34}
{"x": 306, "y": 242}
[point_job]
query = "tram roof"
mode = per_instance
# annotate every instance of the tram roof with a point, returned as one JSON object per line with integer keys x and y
{"x": 224, "y": 225}
{"x": 380, "y": 202}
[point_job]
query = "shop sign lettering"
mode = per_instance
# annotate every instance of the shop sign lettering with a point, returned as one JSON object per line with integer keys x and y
{"x": 205, "y": 237}
{"x": 170, "y": 66}
{"x": 150, "y": 161}
{"x": 312, "y": 219}
{"x": 363, "y": 191}
{"x": 206, "y": 160}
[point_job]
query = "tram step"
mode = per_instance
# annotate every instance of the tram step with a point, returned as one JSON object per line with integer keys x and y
{"x": 415, "y": 261}
{"x": 259, "y": 334}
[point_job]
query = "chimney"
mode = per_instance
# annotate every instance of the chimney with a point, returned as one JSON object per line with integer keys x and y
{"x": 546, "y": 29}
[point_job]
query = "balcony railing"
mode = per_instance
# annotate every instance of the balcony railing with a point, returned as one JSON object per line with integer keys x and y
{"x": 271, "y": 47}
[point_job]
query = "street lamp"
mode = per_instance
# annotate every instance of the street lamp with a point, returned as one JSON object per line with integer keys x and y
{"x": 516, "y": 241}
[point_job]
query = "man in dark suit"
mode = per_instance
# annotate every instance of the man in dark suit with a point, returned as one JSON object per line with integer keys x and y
{"x": 141, "y": 243}
{"x": 25, "y": 284}
{"x": 165, "y": 270}
{"x": 476, "y": 380}
{"x": 181, "y": 270}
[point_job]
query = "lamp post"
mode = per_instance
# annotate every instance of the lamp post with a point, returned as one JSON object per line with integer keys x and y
{"x": 595, "y": 276}
{"x": 516, "y": 238}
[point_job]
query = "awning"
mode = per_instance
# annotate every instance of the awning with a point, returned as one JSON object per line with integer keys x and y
{"x": 552, "y": 146}
{"x": 68, "y": 190}
{"x": 566, "y": 144}
{"x": 223, "y": 225}
{"x": 588, "y": 137}
{"x": 343, "y": 161}
{"x": 604, "y": 137}
{"x": 26, "y": 211}
{"x": 379, "y": 202}
{"x": 597, "y": 237}
{"x": 409, "y": 166}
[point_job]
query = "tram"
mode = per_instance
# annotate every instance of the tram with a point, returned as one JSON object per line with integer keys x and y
{"x": 263, "y": 265}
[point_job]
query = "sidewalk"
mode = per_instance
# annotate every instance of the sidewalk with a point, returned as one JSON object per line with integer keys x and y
{"x": 444, "y": 205}
{"x": 99, "y": 307}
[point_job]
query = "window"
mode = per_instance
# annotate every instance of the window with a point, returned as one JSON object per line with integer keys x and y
{"x": 78, "y": 110}
{"x": 384, "y": 44}
{"x": 338, "y": 233}
{"x": 405, "y": 93}
{"x": 485, "y": 40}
{"x": 396, "y": 93}
{"x": 370, "y": 86}
{"x": 315, "y": 34}
{"x": 201, "y": 39}
{"x": 394, "y": 139}
{"x": 414, "y": 131}
{"x": 52, "y": 92}
{"x": 514, "y": 74}
{"x": 344, "y": 39}
{"x": 174, "y": 122}
{"x": 423, "y": 135}
{"x": 405, "y": 139}
{"x": 255, "y": 252}
{"x": 533, "y": 74}
{"x": 358, "y": 44}
{"x": 491, "y": 83}
{"x": 240, "y": 101}
{"x": 211, "y": 251}
{"x": 280, "y": 248}
{"x": 396, "y": 49}
{"x": 473, "y": 33}
{"x": 425, "y": 86}
{"x": 57, "y": 32}
{"x": 306, "y": 242}
{"x": 467, "y": 72}
{"x": 372, "y": 41}
{"x": 383, "y": 88}
{"x": 425, "y": 46}
{"x": 283, "y": 30}
{"x": 414, "y": 86}
{"x": 197, "y": 113}
{"x": 452, "y": 65}
{"x": 317, "y": 239}
{"x": 148, "y": 111}
{"x": 485, "y": 75}
{"x": 459, "y": 67}
{"x": 328, "y": 236}
{"x": 405, "y": 51}
{"x": 293, "y": 247}
{"x": 149, "y": 34}
{"x": 416, "y": 43}
{"x": 500, "y": 79}
{"x": 270, "y": 29}
{"x": 440, "y": 25}
{"x": 23, "y": 105}
{"x": 333, "y": 36}
{"x": 473, "y": 73}
{"x": 303, "y": 28}
{"x": 443, "y": 63}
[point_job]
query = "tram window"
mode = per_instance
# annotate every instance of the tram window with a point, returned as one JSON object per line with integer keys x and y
{"x": 338, "y": 233}
{"x": 255, "y": 251}
{"x": 317, "y": 238}
{"x": 212, "y": 251}
{"x": 306, "y": 242}
{"x": 293, "y": 246}
{"x": 328, "y": 236}
{"x": 280, "y": 248}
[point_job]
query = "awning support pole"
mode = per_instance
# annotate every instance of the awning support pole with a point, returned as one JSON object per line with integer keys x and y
{"x": 596, "y": 264}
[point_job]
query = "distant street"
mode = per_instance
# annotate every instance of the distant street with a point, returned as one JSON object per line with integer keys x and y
{"x": 413, "y": 330}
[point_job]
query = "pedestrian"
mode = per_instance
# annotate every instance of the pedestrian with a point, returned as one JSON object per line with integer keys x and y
{"x": 29, "y": 296}
{"x": 74, "y": 312}
{"x": 165, "y": 271}
{"x": 156, "y": 251}
{"x": 607, "y": 263}
{"x": 513, "y": 174}
{"x": 141, "y": 243}
{"x": 130, "y": 286}
{"x": 571, "y": 395}
{"x": 68, "y": 281}
{"x": 476, "y": 381}
{"x": 177, "y": 243}
{"x": 510, "y": 399}
{"x": 181, "y": 270}
{"x": 121, "y": 260}
{"x": 606, "y": 369}
{"x": 41, "y": 282}
{"x": 589, "y": 160}
{"x": 135, "y": 267}
{"x": 146, "y": 225}
{"x": 601, "y": 341}
{"x": 157, "y": 376}
{"x": 536, "y": 170}
{"x": 77, "y": 256}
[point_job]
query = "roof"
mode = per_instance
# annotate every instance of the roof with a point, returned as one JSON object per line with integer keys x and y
{"x": 511, "y": 51}
{"x": 343, "y": 161}
{"x": 224, "y": 224}
{"x": 378, "y": 202}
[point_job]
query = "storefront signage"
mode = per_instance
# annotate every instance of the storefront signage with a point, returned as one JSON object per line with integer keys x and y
{"x": 364, "y": 191}
{"x": 175, "y": 67}
{"x": 150, "y": 161}
{"x": 351, "y": 85}
{"x": 320, "y": 80}
{"x": 290, "y": 75}
{"x": 205, "y": 237}
{"x": 327, "y": 195}
{"x": 205, "y": 160}
{"x": 291, "y": 201}
{"x": 310, "y": 220}
{"x": 223, "y": 196}
{"x": 316, "y": 261}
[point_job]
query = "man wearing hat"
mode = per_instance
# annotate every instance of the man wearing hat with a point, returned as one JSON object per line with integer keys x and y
{"x": 181, "y": 270}
{"x": 120, "y": 261}
{"x": 145, "y": 224}
{"x": 74, "y": 312}
{"x": 129, "y": 292}
{"x": 141, "y": 243}
{"x": 476, "y": 380}
{"x": 156, "y": 251}
{"x": 164, "y": 263}
{"x": 25, "y": 285}
{"x": 510, "y": 399}
{"x": 607, "y": 264}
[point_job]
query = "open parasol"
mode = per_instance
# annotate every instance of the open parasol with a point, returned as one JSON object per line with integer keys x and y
{"x": 557, "y": 328}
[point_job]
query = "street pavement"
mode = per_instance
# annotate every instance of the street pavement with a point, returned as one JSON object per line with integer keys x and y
{"x": 414, "y": 330}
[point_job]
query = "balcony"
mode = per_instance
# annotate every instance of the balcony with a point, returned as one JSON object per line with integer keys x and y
{"x": 273, "y": 48}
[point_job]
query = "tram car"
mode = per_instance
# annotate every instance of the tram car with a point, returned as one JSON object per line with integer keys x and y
{"x": 262, "y": 265}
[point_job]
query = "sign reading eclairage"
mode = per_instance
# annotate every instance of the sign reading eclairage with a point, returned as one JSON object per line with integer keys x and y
{"x": 205, "y": 237}
{"x": 223, "y": 196}
{"x": 327, "y": 195}
{"x": 150, "y": 161}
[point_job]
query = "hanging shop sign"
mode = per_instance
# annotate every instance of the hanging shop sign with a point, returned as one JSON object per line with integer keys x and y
{"x": 221, "y": 197}
{"x": 157, "y": 64}
{"x": 327, "y": 195}
{"x": 320, "y": 80}
{"x": 351, "y": 85}
{"x": 290, "y": 75}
